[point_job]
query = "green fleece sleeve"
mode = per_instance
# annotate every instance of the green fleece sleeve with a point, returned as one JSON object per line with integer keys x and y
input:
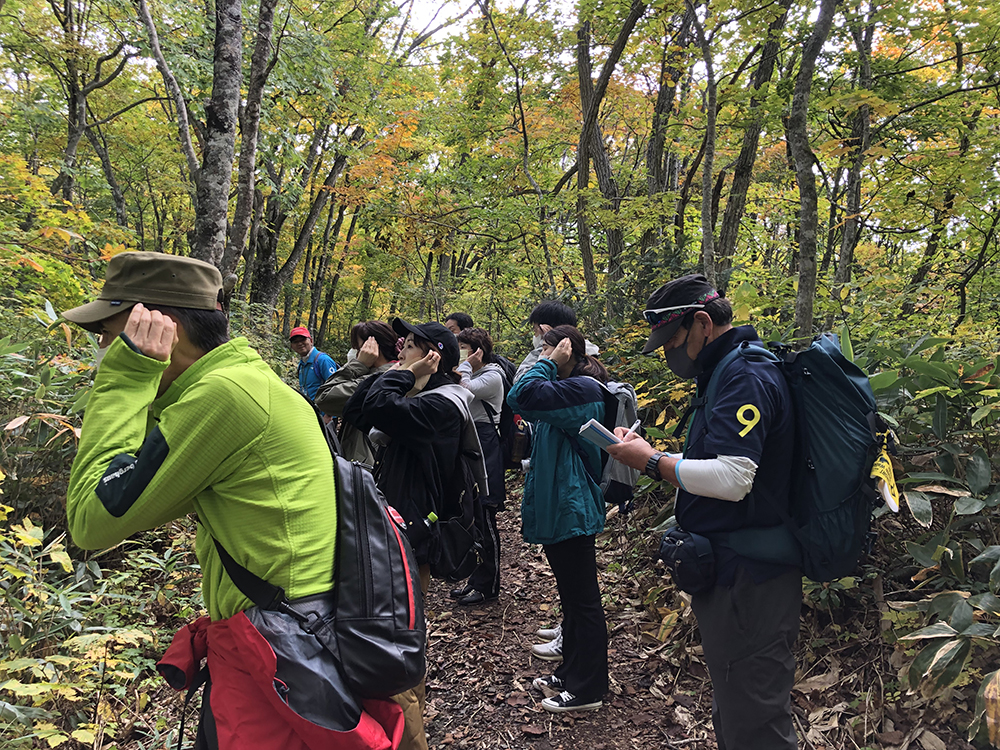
{"x": 124, "y": 480}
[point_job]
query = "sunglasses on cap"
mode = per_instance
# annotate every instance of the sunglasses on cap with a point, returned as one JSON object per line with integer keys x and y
{"x": 667, "y": 314}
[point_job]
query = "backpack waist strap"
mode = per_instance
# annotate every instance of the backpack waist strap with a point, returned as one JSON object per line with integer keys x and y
{"x": 774, "y": 544}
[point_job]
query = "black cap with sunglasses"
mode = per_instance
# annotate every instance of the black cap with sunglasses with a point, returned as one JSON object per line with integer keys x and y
{"x": 667, "y": 306}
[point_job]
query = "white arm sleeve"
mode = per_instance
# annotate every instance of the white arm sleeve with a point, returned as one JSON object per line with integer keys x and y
{"x": 726, "y": 477}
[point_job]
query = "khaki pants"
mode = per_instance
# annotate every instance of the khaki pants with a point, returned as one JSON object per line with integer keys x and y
{"x": 412, "y": 701}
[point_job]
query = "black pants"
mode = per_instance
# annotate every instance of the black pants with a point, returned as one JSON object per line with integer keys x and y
{"x": 584, "y": 669}
{"x": 207, "y": 738}
{"x": 748, "y": 632}
{"x": 486, "y": 577}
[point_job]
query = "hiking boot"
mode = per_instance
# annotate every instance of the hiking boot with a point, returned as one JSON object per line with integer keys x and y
{"x": 475, "y": 597}
{"x": 551, "y": 651}
{"x": 568, "y": 702}
{"x": 549, "y": 634}
{"x": 550, "y": 686}
{"x": 459, "y": 592}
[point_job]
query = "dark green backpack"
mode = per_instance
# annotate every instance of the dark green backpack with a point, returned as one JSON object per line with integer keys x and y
{"x": 831, "y": 493}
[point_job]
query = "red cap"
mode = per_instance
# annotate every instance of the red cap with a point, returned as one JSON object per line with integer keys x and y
{"x": 300, "y": 331}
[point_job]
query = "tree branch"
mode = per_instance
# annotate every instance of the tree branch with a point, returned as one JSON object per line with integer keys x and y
{"x": 194, "y": 168}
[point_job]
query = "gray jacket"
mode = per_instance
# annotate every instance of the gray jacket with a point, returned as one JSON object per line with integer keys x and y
{"x": 486, "y": 386}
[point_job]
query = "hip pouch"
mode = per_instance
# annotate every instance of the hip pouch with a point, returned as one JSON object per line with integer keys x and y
{"x": 689, "y": 558}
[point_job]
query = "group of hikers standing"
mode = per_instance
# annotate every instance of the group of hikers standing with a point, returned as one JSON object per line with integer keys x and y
{"x": 228, "y": 441}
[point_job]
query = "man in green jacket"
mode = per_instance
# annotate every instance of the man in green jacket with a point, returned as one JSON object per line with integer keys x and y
{"x": 228, "y": 440}
{"x": 184, "y": 420}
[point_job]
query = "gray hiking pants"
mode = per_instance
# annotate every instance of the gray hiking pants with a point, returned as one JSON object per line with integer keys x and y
{"x": 748, "y": 632}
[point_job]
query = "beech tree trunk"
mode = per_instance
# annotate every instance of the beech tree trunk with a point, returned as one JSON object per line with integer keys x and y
{"x": 798, "y": 142}
{"x": 97, "y": 142}
{"x": 743, "y": 169}
{"x": 860, "y": 136}
{"x": 658, "y": 171}
{"x": 261, "y": 64}
{"x": 708, "y": 160}
{"x": 592, "y": 144}
{"x": 221, "y": 115}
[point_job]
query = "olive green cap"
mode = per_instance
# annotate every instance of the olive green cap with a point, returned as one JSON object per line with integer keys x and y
{"x": 154, "y": 279}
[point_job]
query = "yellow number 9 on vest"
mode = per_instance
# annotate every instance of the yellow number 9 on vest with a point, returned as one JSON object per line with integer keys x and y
{"x": 747, "y": 415}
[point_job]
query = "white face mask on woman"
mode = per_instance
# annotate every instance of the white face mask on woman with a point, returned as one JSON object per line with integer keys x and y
{"x": 536, "y": 341}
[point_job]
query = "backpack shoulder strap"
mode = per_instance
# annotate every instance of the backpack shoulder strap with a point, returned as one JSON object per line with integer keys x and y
{"x": 266, "y": 595}
{"x": 471, "y": 448}
{"x": 745, "y": 350}
{"x": 491, "y": 414}
{"x": 578, "y": 449}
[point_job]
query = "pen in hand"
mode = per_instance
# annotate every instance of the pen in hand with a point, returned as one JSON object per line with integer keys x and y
{"x": 632, "y": 429}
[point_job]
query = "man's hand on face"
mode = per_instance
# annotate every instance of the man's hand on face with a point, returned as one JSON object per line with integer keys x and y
{"x": 152, "y": 332}
{"x": 633, "y": 451}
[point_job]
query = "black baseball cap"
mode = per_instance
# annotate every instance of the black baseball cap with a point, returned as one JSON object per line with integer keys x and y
{"x": 440, "y": 337}
{"x": 667, "y": 306}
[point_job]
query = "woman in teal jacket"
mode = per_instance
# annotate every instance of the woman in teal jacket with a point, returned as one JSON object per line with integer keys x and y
{"x": 563, "y": 508}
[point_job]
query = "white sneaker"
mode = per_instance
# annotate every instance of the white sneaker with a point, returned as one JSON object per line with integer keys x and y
{"x": 550, "y": 686}
{"x": 568, "y": 702}
{"x": 549, "y": 634}
{"x": 551, "y": 651}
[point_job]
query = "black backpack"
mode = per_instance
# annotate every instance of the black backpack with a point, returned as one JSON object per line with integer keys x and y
{"x": 375, "y": 629}
{"x": 455, "y": 539}
{"x": 508, "y": 367}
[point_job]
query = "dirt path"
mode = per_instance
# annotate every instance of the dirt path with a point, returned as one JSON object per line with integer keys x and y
{"x": 481, "y": 668}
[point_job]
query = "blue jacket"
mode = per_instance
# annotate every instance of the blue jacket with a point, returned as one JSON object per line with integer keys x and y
{"x": 314, "y": 371}
{"x": 561, "y": 501}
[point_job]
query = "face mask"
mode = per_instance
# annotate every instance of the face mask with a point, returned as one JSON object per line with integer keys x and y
{"x": 352, "y": 354}
{"x": 681, "y": 364}
{"x": 536, "y": 342}
{"x": 463, "y": 354}
{"x": 98, "y": 357}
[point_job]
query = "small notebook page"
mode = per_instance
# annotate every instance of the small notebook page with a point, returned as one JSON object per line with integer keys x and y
{"x": 598, "y": 434}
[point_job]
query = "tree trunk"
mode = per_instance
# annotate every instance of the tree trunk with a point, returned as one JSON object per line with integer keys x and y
{"x": 658, "y": 168}
{"x": 176, "y": 96}
{"x": 941, "y": 217}
{"x": 305, "y": 286}
{"x": 250, "y": 253}
{"x": 798, "y": 142}
{"x": 743, "y": 169}
{"x": 260, "y": 69}
{"x": 583, "y": 167}
{"x": 334, "y": 283}
{"x": 269, "y": 280}
{"x": 592, "y": 144}
{"x": 332, "y": 231}
{"x": 708, "y": 160}
{"x": 97, "y": 142}
{"x": 221, "y": 114}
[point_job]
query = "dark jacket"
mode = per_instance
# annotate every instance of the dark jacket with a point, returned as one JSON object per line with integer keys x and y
{"x": 332, "y": 396}
{"x": 420, "y": 460}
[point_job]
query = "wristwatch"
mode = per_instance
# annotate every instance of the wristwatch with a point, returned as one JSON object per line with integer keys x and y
{"x": 653, "y": 466}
